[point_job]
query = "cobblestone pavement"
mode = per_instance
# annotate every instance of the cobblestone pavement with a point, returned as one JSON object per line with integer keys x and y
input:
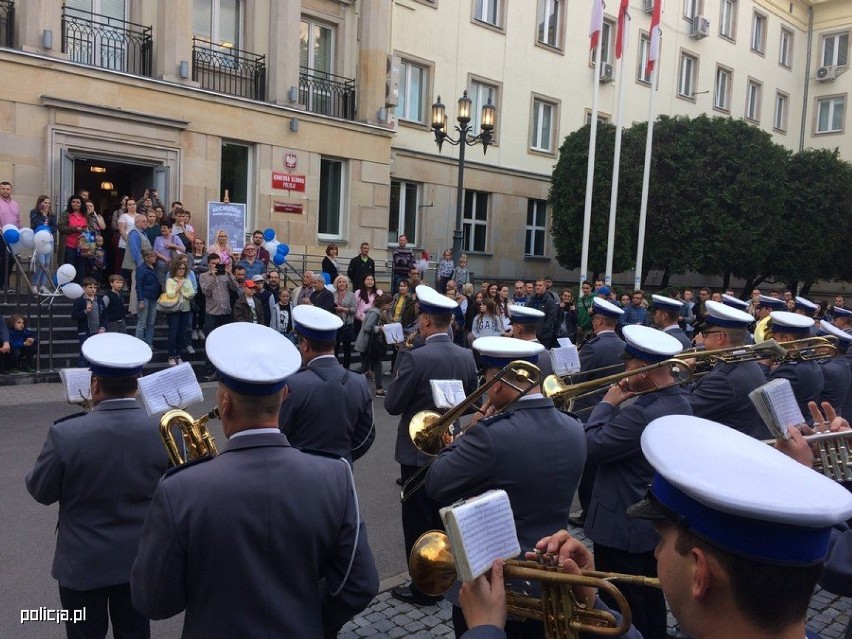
{"x": 828, "y": 614}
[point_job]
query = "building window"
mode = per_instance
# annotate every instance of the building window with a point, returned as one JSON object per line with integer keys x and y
{"x": 536, "y": 228}
{"x": 217, "y": 21}
{"x": 830, "y": 114}
{"x": 550, "y": 22}
{"x": 758, "y": 34}
{"x": 403, "y": 211}
{"x": 235, "y": 171}
{"x": 785, "y": 52}
{"x": 687, "y": 75}
{"x": 316, "y": 47}
{"x": 413, "y": 84}
{"x": 330, "y": 222}
{"x": 475, "y": 221}
{"x": 608, "y": 42}
{"x": 835, "y": 50}
{"x": 779, "y": 120}
{"x": 481, "y": 93}
{"x": 752, "y": 110}
{"x": 603, "y": 118}
{"x": 692, "y": 8}
{"x": 728, "y": 19}
{"x": 488, "y": 11}
{"x": 722, "y": 92}
{"x": 642, "y": 73}
{"x": 544, "y": 118}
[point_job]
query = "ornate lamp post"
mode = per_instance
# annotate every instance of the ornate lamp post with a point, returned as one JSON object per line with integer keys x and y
{"x": 464, "y": 139}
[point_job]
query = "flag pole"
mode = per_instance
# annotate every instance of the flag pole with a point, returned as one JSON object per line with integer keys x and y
{"x": 646, "y": 177}
{"x": 590, "y": 169}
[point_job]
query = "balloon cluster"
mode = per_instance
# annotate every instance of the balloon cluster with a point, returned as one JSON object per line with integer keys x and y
{"x": 277, "y": 250}
{"x": 40, "y": 241}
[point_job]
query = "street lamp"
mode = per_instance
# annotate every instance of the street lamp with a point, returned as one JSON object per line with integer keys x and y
{"x": 465, "y": 139}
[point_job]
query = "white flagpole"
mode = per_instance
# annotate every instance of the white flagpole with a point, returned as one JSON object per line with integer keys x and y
{"x": 616, "y": 164}
{"x": 646, "y": 176}
{"x": 590, "y": 169}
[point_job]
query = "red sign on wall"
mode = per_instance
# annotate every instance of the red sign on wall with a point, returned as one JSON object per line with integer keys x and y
{"x": 288, "y": 181}
{"x": 286, "y": 207}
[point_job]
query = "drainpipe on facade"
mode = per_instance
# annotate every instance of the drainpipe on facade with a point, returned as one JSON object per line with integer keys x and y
{"x": 807, "y": 78}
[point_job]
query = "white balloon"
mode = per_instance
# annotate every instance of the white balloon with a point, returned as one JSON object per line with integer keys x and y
{"x": 27, "y": 237}
{"x": 271, "y": 246}
{"x": 43, "y": 249}
{"x": 43, "y": 237}
{"x": 16, "y": 248}
{"x": 72, "y": 290}
{"x": 65, "y": 273}
{"x": 6, "y": 227}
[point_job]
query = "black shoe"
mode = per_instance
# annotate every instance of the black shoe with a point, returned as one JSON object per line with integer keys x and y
{"x": 399, "y": 481}
{"x": 413, "y": 596}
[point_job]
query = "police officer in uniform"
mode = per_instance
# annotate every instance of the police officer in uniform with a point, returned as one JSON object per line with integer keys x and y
{"x": 666, "y": 316}
{"x": 262, "y": 540}
{"x": 525, "y": 320}
{"x": 837, "y": 373}
{"x": 740, "y": 305}
{"x": 102, "y": 467}
{"x": 527, "y": 451}
{"x": 410, "y": 392}
{"x": 722, "y": 394}
{"x": 612, "y": 442}
{"x": 328, "y": 408}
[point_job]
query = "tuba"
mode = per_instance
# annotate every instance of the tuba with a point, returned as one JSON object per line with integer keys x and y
{"x": 196, "y": 438}
{"x": 832, "y": 454}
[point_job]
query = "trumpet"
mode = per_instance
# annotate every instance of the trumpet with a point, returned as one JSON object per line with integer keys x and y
{"x": 197, "y": 439}
{"x": 832, "y": 457}
{"x": 432, "y": 568}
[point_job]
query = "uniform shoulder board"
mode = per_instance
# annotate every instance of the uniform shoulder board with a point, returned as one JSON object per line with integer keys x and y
{"x": 192, "y": 462}
{"x": 495, "y": 418}
{"x": 593, "y": 340}
{"x": 71, "y": 416}
{"x": 320, "y": 453}
{"x": 415, "y": 347}
{"x": 646, "y": 400}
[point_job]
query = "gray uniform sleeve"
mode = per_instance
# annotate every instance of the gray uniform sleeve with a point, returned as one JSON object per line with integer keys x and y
{"x": 464, "y": 468}
{"x": 611, "y": 436}
{"x": 364, "y": 433}
{"x": 402, "y": 386}
{"x": 44, "y": 481}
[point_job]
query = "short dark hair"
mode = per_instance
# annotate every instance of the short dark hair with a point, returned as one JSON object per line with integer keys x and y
{"x": 213, "y": 257}
{"x": 318, "y": 345}
{"x": 331, "y": 247}
{"x": 119, "y": 386}
{"x": 5, "y": 183}
{"x": 382, "y": 299}
{"x": 166, "y": 222}
{"x": 115, "y": 277}
{"x": 88, "y": 281}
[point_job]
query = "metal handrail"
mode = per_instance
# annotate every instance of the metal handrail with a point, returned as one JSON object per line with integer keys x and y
{"x": 228, "y": 70}
{"x": 327, "y": 94}
{"x": 108, "y": 43}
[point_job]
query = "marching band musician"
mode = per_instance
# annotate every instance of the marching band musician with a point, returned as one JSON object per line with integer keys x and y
{"x": 328, "y": 407}
{"x": 613, "y": 432}
{"x": 722, "y": 394}
{"x": 527, "y": 451}
{"x": 262, "y": 540}
{"x": 666, "y": 316}
{"x": 408, "y": 393}
{"x": 836, "y": 372}
{"x": 102, "y": 467}
{"x": 765, "y": 306}
{"x": 525, "y": 320}
{"x": 842, "y": 319}
{"x": 740, "y": 305}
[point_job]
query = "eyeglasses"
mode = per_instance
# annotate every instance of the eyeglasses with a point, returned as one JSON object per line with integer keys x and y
{"x": 704, "y": 334}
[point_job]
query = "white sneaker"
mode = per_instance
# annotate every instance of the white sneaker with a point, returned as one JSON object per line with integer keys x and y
{"x": 190, "y": 350}
{"x": 195, "y": 335}
{"x": 172, "y": 361}
{"x": 201, "y": 335}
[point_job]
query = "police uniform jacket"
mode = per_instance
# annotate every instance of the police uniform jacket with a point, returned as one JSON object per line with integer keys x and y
{"x": 602, "y": 350}
{"x": 545, "y": 365}
{"x": 102, "y": 468}
{"x": 677, "y": 332}
{"x": 533, "y": 452}
{"x": 612, "y": 442}
{"x": 722, "y": 396}
{"x": 410, "y": 391}
{"x": 329, "y": 409}
{"x": 243, "y": 542}
{"x": 837, "y": 377}
{"x": 805, "y": 378}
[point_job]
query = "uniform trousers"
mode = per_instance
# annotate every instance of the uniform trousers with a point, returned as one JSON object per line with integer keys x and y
{"x": 419, "y": 513}
{"x": 515, "y": 628}
{"x": 648, "y": 605}
{"x": 102, "y": 606}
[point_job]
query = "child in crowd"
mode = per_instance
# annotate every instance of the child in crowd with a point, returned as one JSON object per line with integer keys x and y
{"x": 23, "y": 345}
{"x": 461, "y": 276}
{"x": 285, "y": 316}
{"x": 91, "y": 315}
{"x": 97, "y": 263}
{"x": 445, "y": 270}
{"x": 85, "y": 250}
{"x": 114, "y": 303}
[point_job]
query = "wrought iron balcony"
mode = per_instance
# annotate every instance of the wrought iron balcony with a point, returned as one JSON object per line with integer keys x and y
{"x": 7, "y": 23}
{"x": 228, "y": 70}
{"x": 326, "y": 93}
{"x": 108, "y": 43}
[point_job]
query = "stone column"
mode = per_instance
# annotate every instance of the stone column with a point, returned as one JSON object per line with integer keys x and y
{"x": 32, "y": 18}
{"x": 283, "y": 56}
{"x": 173, "y": 40}
{"x": 374, "y": 46}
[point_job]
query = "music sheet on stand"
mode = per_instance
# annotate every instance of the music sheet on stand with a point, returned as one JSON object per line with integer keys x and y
{"x": 78, "y": 384}
{"x": 174, "y": 387}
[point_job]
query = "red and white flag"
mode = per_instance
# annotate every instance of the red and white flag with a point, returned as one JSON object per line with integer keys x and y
{"x": 622, "y": 18}
{"x": 597, "y": 23}
{"x": 654, "y": 51}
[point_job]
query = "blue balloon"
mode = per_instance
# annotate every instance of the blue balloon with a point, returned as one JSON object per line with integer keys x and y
{"x": 327, "y": 278}
{"x": 269, "y": 235}
{"x": 55, "y": 281}
{"x": 283, "y": 249}
{"x": 43, "y": 227}
{"x": 11, "y": 236}
{"x": 278, "y": 260}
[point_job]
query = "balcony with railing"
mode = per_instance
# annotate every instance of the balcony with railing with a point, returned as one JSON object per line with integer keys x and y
{"x": 326, "y": 93}
{"x": 107, "y": 43}
{"x": 228, "y": 70}
{"x": 7, "y": 23}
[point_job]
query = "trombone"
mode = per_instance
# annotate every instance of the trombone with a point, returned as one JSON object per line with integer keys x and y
{"x": 196, "y": 438}
{"x": 427, "y": 428}
{"x": 432, "y": 568}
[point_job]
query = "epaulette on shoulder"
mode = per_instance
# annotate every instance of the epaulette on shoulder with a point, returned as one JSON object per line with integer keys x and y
{"x": 593, "y": 340}
{"x": 414, "y": 348}
{"x": 495, "y": 418}
{"x": 320, "y": 453}
{"x": 192, "y": 462}
{"x": 71, "y": 416}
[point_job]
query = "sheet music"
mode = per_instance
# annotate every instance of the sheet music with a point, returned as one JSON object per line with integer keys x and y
{"x": 174, "y": 387}
{"x": 447, "y": 393}
{"x": 565, "y": 360}
{"x": 564, "y": 341}
{"x": 393, "y": 333}
{"x": 777, "y": 406}
{"x": 78, "y": 384}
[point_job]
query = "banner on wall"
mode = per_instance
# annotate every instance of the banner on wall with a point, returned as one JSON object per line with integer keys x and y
{"x": 229, "y": 217}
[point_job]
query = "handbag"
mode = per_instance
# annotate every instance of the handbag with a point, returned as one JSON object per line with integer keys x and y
{"x": 166, "y": 304}
{"x": 376, "y": 348}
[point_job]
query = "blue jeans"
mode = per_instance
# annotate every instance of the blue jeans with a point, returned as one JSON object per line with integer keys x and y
{"x": 179, "y": 322}
{"x": 145, "y": 322}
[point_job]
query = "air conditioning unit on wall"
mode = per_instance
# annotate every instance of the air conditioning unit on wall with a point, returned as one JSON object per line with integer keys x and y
{"x": 826, "y": 73}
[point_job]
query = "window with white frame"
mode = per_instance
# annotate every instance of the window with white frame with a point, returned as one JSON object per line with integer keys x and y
{"x": 607, "y": 42}
{"x": 104, "y": 51}
{"x": 692, "y": 8}
{"x": 752, "y": 109}
{"x": 413, "y": 84}
{"x": 236, "y": 174}
{"x": 642, "y": 73}
{"x": 404, "y": 206}
{"x": 331, "y": 199}
{"x": 687, "y": 74}
{"x": 785, "y": 48}
{"x": 831, "y": 112}
{"x": 475, "y": 221}
{"x": 835, "y": 49}
{"x": 488, "y": 11}
{"x": 722, "y": 90}
{"x": 550, "y": 22}
{"x": 603, "y": 118}
{"x": 536, "y": 230}
{"x": 758, "y": 33}
{"x": 217, "y": 21}
{"x": 543, "y": 131}
{"x": 728, "y": 19}
{"x": 316, "y": 46}
{"x": 480, "y": 93}
{"x": 779, "y": 119}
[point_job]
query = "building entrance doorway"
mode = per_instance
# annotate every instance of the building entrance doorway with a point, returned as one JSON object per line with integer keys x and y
{"x": 107, "y": 181}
